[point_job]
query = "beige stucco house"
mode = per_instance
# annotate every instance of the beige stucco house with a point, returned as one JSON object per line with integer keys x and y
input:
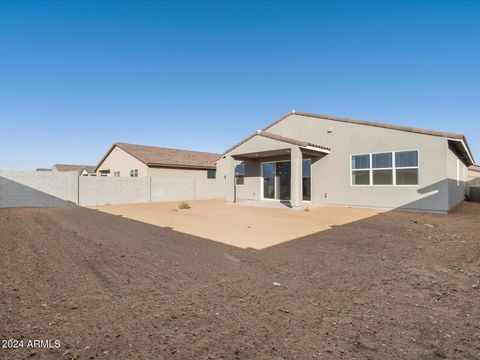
{"x": 130, "y": 160}
{"x": 314, "y": 159}
{"x": 474, "y": 175}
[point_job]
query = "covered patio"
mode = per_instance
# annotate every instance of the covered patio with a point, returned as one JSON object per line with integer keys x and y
{"x": 280, "y": 167}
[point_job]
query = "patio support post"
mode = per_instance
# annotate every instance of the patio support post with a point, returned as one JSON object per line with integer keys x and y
{"x": 296, "y": 177}
{"x": 230, "y": 195}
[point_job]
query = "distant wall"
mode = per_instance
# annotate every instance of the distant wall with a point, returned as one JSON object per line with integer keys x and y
{"x": 38, "y": 188}
{"x": 101, "y": 190}
{"x": 53, "y": 189}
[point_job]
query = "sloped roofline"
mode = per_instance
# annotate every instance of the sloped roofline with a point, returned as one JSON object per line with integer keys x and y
{"x": 150, "y": 164}
{"x": 415, "y": 130}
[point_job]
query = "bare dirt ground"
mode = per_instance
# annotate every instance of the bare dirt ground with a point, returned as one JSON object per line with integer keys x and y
{"x": 239, "y": 225}
{"x": 389, "y": 286}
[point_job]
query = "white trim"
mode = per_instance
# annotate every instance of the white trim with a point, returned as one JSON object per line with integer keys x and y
{"x": 470, "y": 157}
{"x": 313, "y": 148}
{"x": 458, "y": 172}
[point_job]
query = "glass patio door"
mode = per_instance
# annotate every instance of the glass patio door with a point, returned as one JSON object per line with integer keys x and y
{"x": 276, "y": 180}
{"x": 283, "y": 180}
{"x": 268, "y": 180}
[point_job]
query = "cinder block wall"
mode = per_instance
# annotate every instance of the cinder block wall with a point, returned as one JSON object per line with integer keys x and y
{"x": 38, "y": 189}
{"x": 53, "y": 189}
{"x": 99, "y": 190}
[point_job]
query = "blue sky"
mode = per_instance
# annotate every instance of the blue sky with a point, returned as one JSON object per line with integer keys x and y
{"x": 77, "y": 76}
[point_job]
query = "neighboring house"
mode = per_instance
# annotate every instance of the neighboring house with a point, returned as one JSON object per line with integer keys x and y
{"x": 129, "y": 160}
{"x": 83, "y": 170}
{"x": 474, "y": 175}
{"x": 317, "y": 159}
{"x": 43, "y": 169}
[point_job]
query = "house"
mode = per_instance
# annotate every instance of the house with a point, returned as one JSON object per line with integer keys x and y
{"x": 315, "y": 159}
{"x": 83, "y": 170}
{"x": 474, "y": 175}
{"x": 129, "y": 160}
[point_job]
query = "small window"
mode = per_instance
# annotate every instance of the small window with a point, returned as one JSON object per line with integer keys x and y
{"x": 116, "y": 173}
{"x": 361, "y": 162}
{"x": 134, "y": 173}
{"x": 382, "y": 173}
{"x": 361, "y": 169}
{"x": 361, "y": 177}
{"x": 240, "y": 174}
{"x": 406, "y": 164}
{"x": 211, "y": 174}
{"x": 405, "y": 159}
{"x": 407, "y": 176}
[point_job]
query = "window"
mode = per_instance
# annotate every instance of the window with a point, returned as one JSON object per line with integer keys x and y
{"x": 134, "y": 173}
{"x": 382, "y": 173}
{"x": 389, "y": 168}
{"x": 211, "y": 174}
{"x": 116, "y": 173}
{"x": 306, "y": 181}
{"x": 361, "y": 170}
{"x": 240, "y": 174}
{"x": 406, "y": 167}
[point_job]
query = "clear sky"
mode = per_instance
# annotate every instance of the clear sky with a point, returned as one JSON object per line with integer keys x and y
{"x": 77, "y": 76}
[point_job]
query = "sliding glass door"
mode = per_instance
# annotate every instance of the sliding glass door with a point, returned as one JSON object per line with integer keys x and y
{"x": 268, "y": 180}
{"x": 276, "y": 180}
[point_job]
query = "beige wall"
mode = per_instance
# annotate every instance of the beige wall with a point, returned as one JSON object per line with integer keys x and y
{"x": 331, "y": 174}
{"x": 457, "y": 175}
{"x": 120, "y": 160}
{"x": 473, "y": 177}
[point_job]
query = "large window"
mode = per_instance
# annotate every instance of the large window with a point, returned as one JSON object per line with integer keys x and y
{"x": 240, "y": 174}
{"x": 389, "y": 168}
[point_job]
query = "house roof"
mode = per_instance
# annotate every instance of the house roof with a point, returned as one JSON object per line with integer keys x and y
{"x": 474, "y": 168}
{"x": 289, "y": 140}
{"x": 154, "y": 156}
{"x": 453, "y": 136}
{"x": 70, "y": 167}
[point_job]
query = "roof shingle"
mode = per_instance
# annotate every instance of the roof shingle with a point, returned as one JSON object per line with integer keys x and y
{"x": 167, "y": 157}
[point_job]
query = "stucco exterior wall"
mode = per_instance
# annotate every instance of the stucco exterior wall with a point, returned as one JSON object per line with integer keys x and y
{"x": 473, "y": 178}
{"x": 457, "y": 176}
{"x": 331, "y": 178}
{"x": 120, "y": 160}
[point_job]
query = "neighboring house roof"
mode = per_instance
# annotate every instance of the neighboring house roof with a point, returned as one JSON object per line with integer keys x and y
{"x": 453, "y": 136}
{"x": 474, "y": 168}
{"x": 154, "y": 156}
{"x": 43, "y": 169}
{"x": 78, "y": 168}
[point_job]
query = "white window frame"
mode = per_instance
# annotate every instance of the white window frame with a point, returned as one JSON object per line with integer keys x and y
{"x": 394, "y": 169}
{"x": 134, "y": 172}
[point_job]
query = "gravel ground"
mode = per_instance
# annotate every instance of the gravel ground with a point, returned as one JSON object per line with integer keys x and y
{"x": 390, "y": 286}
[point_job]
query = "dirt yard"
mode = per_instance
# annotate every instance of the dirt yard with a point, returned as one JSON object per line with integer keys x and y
{"x": 239, "y": 225}
{"x": 375, "y": 286}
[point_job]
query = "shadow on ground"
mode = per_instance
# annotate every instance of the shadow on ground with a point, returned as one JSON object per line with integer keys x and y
{"x": 396, "y": 285}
